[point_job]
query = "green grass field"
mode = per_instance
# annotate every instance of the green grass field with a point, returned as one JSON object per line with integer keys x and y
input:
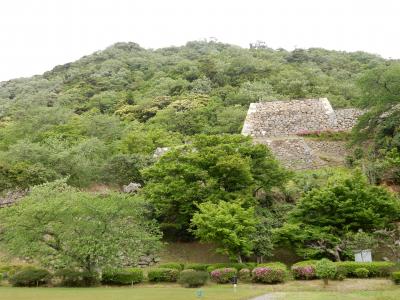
{"x": 352, "y": 289}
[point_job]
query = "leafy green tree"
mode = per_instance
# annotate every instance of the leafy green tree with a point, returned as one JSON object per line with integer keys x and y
{"x": 322, "y": 217}
{"x": 63, "y": 228}
{"x": 208, "y": 168}
{"x": 229, "y": 225}
{"x": 381, "y": 85}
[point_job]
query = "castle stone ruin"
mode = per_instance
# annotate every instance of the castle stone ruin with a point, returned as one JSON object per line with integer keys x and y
{"x": 284, "y": 125}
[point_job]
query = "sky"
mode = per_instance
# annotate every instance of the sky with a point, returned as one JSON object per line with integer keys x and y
{"x": 36, "y": 35}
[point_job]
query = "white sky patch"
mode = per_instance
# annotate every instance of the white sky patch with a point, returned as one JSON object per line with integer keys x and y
{"x": 37, "y": 35}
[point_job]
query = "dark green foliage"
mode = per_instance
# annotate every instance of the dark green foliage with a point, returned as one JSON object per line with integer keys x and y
{"x": 197, "y": 267}
{"x": 192, "y": 278}
{"x": 30, "y": 276}
{"x": 209, "y": 168}
{"x": 375, "y": 269}
{"x": 163, "y": 275}
{"x": 396, "y": 277}
{"x": 176, "y": 266}
{"x": 223, "y": 275}
{"x": 122, "y": 276}
{"x": 73, "y": 278}
{"x": 361, "y": 272}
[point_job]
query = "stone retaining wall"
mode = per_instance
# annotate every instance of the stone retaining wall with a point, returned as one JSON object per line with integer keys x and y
{"x": 277, "y": 124}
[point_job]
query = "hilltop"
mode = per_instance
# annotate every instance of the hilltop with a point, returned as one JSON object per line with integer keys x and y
{"x": 100, "y": 118}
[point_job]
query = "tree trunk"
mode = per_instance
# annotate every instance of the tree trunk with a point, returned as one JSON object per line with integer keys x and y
{"x": 239, "y": 258}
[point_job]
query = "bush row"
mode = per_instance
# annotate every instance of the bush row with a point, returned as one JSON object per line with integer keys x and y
{"x": 197, "y": 274}
{"x": 306, "y": 269}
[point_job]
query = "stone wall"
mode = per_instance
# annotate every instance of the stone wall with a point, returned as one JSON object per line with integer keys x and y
{"x": 280, "y": 118}
{"x": 278, "y": 125}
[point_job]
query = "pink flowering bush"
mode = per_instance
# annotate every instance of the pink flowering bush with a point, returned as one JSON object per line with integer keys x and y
{"x": 223, "y": 275}
{"x": 304, "y": 270}
{"x": 269, "y": 274}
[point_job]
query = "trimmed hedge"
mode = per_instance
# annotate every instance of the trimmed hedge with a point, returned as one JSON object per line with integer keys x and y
{"x": 361, "y": 272}
{"x": 236, "y": 266}
{"x": 30, "y": 276}
{"x": 163, "y": 275}
{"x": 223, "y": 275}
{"x": 176, "y": 266}
{"x": 244, "y": 275}
{"x": 274, "y": 264}
{"x": 73, "y": 278}
{"x": 375, "y": 269}
{"x": 123, "y": 276}
{"x": 396, "y": 277}
{"x": 197, "y": 267}
{"x": 304, "y": 270}
{"x": 192, "y": 278}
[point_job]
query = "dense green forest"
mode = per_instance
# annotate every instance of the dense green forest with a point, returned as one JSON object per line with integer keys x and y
{"x": 98, "y": 121}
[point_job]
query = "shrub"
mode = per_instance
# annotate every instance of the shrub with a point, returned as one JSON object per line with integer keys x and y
{"x": 30, "y": 276}
{"x": 274, "y": 264}
{"x": 163, "y": 275}
{"x": 122, "y": 277}
{"x": 274, "y": 273}
{"x": 176, "y": 266}
{"x": 375, "y": 269}
{"x": 1, "y": 277}
{"x": 339, "y": 277}
{"x": 325, "y": 269}
{"x": 223, "y": 275}
{"x": 197, "y": 267}
{"x": 304, "y": 270}
{"x": 237, "y": 266}
{"x": 361, "y": 272}
{"x": 192, "y": 278}
{"x": 244, "y": 275}
{"x": 396, "y": 277}
{"x": 73, "y": 278}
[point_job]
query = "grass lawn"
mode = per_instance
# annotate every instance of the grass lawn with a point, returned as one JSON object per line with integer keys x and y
{"x": 352, "y": 289}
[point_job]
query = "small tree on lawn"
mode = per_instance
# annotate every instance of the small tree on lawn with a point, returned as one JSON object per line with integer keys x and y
{"x": 227, "y": 224}
{"x": 325, "y": 269}
{"x": 64, "y": 228}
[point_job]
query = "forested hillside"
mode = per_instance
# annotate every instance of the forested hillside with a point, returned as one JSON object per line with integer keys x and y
{"x": 99, "y": 119}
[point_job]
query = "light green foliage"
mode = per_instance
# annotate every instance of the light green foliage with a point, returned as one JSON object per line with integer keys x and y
{"x": 191, "y": 278}
{"x": 321, "y": 219}
{"x": 229, "y": 225}
{"x": 163, "y": 275}
{"x": 62, "y": 227}
{"x": 209, "y": 168}
{"x": 361, "y": 272}
{"x": 325, "y": 269}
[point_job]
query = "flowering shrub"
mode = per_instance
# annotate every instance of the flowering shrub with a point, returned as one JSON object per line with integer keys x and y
{"x": 304, "y": 270}
{"x": 244, "y": 275}
{"x": 223, "y": 275}
{"x": 269, "y": 274}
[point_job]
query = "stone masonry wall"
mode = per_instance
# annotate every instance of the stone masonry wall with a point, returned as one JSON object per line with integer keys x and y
{"x": 277, "y": 124}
